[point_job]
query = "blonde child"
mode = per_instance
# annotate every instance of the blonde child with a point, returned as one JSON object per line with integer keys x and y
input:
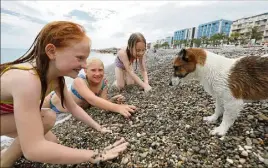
{"x": 60, "y": 49}
{"x": 135, "y": 51}
{"x": 91, "y": 89}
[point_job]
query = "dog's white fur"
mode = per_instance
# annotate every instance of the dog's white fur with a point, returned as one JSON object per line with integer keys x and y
{"x": 213, "y": 76}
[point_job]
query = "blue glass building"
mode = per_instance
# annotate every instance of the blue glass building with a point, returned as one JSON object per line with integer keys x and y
{"x": 184, "y": 34}
{"x": 214, "y": 27}
{"x": 180, "y": 34}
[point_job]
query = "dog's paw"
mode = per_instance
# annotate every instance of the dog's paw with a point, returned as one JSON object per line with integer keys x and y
{"x": 218, "y": 131}
{"x": 210, "y": 119}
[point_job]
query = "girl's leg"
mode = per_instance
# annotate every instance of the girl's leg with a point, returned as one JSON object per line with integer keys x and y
{"x": 120, "y": 78}
{"x": 8, "y": 128}
{"x": 129, "y": 80}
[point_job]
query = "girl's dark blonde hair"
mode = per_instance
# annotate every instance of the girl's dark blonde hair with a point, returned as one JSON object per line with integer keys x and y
{"x": 58, "y": 33}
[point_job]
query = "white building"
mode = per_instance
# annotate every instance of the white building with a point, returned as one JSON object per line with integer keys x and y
{"x": 243, "y": 25}
{"x": 162, "y": 41}
{"x": 169, "y": 40}
{"x": 191, "y": 33}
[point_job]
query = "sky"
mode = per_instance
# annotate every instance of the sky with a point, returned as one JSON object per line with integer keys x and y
{"x": 110, "y": 23}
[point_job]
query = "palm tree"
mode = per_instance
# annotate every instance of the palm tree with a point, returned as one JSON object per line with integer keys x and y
{"x": 197, "y": 42}
{"x": 221, "y": 37}
{"x": 234, "y": 37}
{"x": 165, "y": 45}
{"x": 243, "y": 39}
{"x": 191, "y": 42}
{"x": 204, "y": 40}
{"x": 176, "y": 43}
{"x": 184, "y": 42}
{"x": 255, "y": 34}
{"x": 214, "y": 39}
{"x": 156, "y": 46}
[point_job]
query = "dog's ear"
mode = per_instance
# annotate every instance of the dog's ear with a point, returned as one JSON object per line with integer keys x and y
{"x": 183, "y": 54}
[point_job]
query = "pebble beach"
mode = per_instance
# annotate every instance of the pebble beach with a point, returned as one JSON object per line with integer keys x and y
{"x": 168, "y": 130}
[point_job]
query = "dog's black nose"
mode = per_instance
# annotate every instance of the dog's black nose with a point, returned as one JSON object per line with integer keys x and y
{"x": 170, "y": 83}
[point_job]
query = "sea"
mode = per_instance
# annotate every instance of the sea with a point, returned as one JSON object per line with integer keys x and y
{"x": 10, "y": 54}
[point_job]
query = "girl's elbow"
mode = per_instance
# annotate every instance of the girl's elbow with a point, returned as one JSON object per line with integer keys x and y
{"x": 32, "y": 154}
{"x": 34, "y": 151}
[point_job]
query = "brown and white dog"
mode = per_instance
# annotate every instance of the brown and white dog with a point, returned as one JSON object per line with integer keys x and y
{"x": 230, "y": 81}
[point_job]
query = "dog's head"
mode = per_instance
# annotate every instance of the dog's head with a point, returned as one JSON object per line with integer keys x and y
{"x": 186, "y": 62}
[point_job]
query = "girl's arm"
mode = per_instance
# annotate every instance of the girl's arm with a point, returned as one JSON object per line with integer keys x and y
{"x": 123, "y": 57}
{"x": 92, "y": 99}
{"x": 30, "y": 128}
{"x": 119, "y": 99}
{"x": 99, "y": 102}
{"x": 144, "y": 69}
{"x": 77, "y": 111}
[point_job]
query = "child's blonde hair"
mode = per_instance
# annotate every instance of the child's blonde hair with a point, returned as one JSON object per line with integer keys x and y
{"x": 91, "y": 60}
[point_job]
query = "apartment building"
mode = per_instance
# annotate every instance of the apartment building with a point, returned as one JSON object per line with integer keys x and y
{"x": 184, "y": 34}
{"x": 214, "y": 27}
{"x": 244, "y": 25}
{"x": 161, "y": 41}
{"x": 169, "y": 39}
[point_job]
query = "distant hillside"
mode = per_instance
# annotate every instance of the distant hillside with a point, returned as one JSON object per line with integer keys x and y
{"x": 107, "y": 50}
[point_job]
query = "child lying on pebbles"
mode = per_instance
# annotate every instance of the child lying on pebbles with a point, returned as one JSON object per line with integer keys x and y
{"x": 91, "y": 89}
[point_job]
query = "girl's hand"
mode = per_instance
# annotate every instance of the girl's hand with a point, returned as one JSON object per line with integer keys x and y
{"x": 105, "y": 130}
{"x": 147, "y": 88}
{"x": 111, "y": 151}
{"x": 125, "y": 109}
{"x": 119, "y": 99}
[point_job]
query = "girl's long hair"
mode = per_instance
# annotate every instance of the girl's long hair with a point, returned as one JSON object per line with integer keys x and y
{"x": 132, "y": 41}
{"x": 58, "y": 33}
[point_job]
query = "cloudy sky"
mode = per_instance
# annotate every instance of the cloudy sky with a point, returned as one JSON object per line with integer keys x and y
{"x": 109, "y": 23}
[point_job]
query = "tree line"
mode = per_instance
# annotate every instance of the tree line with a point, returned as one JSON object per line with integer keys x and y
{"x": 217, "y": 39}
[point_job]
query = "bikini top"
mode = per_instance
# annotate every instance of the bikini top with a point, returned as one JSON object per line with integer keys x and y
{"x": 21, "y": 67}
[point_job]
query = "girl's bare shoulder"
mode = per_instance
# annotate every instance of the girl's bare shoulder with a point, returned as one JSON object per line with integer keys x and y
{"x": 122, "y": 50}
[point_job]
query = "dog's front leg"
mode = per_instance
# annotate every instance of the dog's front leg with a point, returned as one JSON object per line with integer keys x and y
{"x": 218, "y": 112}
{"x": 231, "y": 112}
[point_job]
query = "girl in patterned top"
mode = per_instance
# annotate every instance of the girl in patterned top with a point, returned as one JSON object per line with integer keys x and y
{"x": 135, "y": 51}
